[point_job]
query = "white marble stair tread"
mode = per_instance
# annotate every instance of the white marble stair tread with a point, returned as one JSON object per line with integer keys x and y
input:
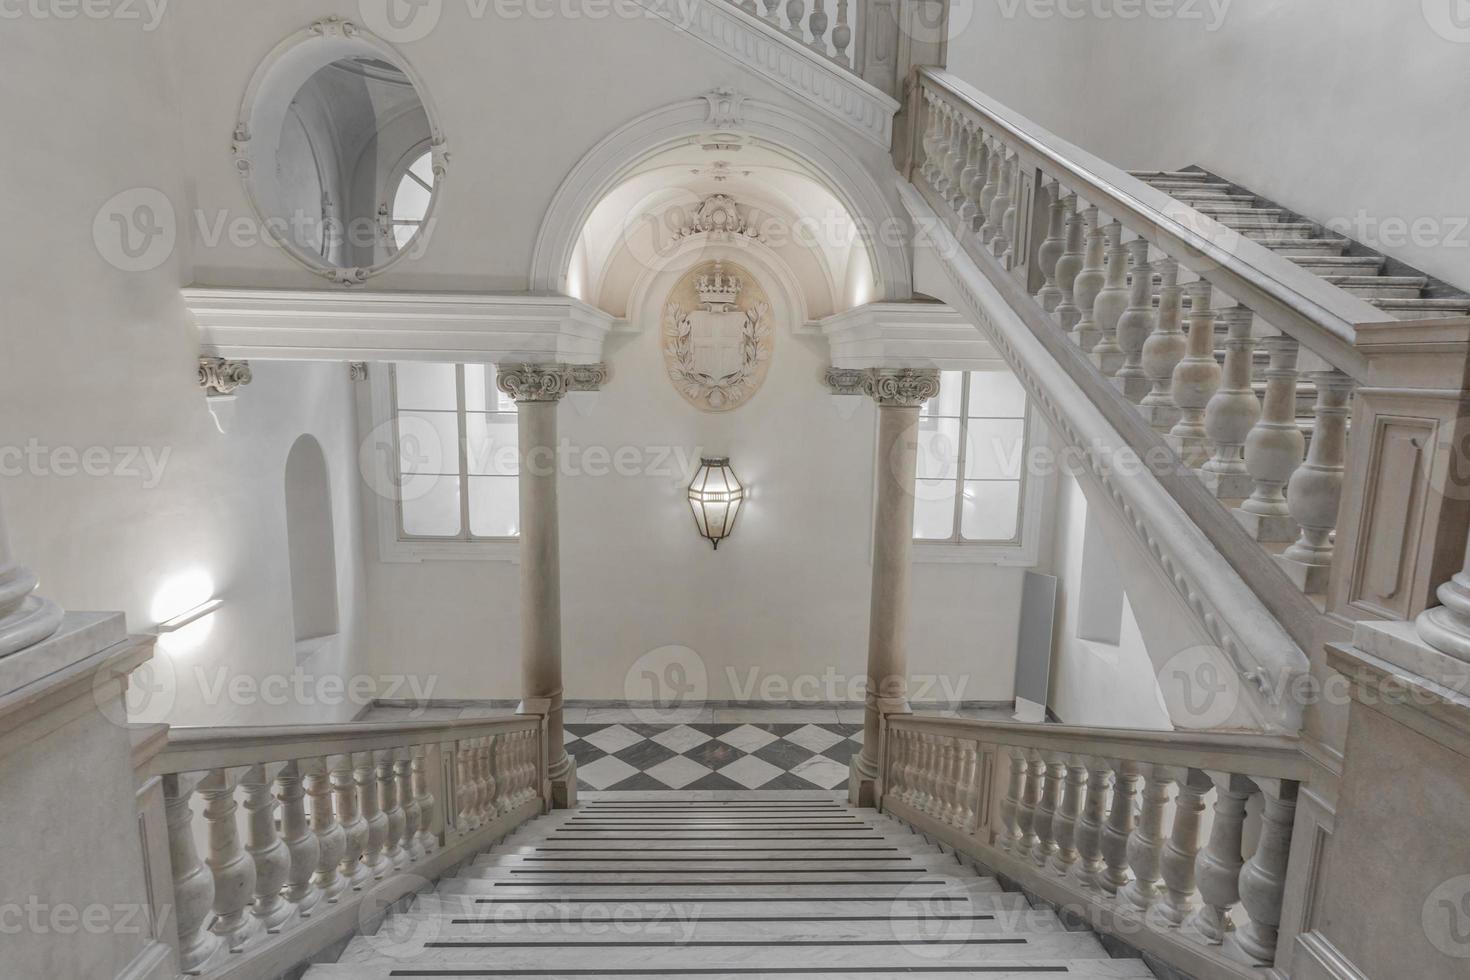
{"x": 909, "y": 845}
{"x": 512, "y": 877}
{"x": 813, "y": 920}
{"x": 688, "y": 863}
{"x": 715, "y": 834}
{"x": 615, "y": 954}
{"x": 468, "y": 905}
{"x": 1090, "y": 969}
{"x": 931, "y": 886}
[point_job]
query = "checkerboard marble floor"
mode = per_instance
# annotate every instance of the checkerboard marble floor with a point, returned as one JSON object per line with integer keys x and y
{"x": 712, "y": 756}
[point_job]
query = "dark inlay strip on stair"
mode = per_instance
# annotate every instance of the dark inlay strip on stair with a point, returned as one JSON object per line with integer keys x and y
{"x": 719, "y": 943}
{"x": 625, "y": 884}
{"x": 981, "y": 917}
{"x": 728, "y": 971}
{"x": 665, "y": 900}
{"x": 710, "y": 835}
{"x": 666, "y": 850}
{"x": 694, "y": 871}
{"x": 793, "y": 850}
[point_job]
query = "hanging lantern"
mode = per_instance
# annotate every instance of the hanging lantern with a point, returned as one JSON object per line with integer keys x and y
{"x": 715, "y": 496}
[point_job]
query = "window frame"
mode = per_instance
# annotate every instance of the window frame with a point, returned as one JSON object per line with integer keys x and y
{"x": 394, "y": 544}
{"x": 1024, "y": 548}
{"x": 403, "y": 168}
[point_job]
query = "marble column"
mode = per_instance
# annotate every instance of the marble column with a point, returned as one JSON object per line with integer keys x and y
{"x": 899, "y": 393}
{"x": 25, "y": 618}
{"x": 538, "y": 390}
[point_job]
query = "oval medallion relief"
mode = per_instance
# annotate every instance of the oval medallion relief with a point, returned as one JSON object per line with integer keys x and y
{"x": 717, "y": 336}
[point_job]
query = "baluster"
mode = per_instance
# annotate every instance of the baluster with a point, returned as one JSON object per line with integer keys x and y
{"x": 749, "y": 7}
{"x": 1136, "y": 324}
{"x": 994, "y": 160}
{"x": 427, "y": 840}
{"x": 1004, "y": 205}
{"x": 234, "y": 872}
{"x": 980, "y": 182}
{"x": 1008, "y": 218}
{"x": 1046, "y": 812}
{"x": 962, "y": 175}
{"x": 1010, "y": 807}
{"x": 1164, "y": 349}
{"x": 1069, "y": 265}
{"x": 817, "y": 25}
{"x": 842, "y": 37}
{"x": 947, "y": 122}
{"x": 1089, "y": 865}
{"x": 945, "y": 807}
{"x": 466, "y": 796}
{"x": 1074, "y": 787}
{"x": 921, "y": 777}
{"x": 193, "y": 882}
{"x": 301, "y": 841}
{"x": 1146, "y": 844}
{"x": 354, "y": 827}
{"x": 970, "y": 177}
{"x": 1176, "y": 900}
{"x": 364, "y": 774}
{"x": 1089, "y": 283}
{"x": 1030, "y": 800}
{"x": 969, "y": 815}
{"x": 905, "y": 745}
{"x": 330, "y": 837}
{"x": 795, "y": 11}
{"x": 1049, "y": 253}
{"x": 1315, "y": 489}
{"x": 269, "y": 853}
{"x": 1115, "y": 833}
{"x": 1218, "y": 866}
{"x": 500, "y": 756}
{"x": 393, "y": 855}
{"x": 1195, "y": 379}
{"x": 1274, "y": 449}
{"x": 929, "y": 168}
{"x": 1263, "y": 879}
{"x": 772, "y": 13}
{"x": 403, "y": 774}
{"x": 1233, "y": 411}
{"x": 1111, "y": 301}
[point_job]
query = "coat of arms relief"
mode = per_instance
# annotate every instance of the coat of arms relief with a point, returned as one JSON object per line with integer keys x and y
{"x": 717, "y": 336}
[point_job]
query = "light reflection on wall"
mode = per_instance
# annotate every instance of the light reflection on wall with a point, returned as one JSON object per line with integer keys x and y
{"x": 177, "y": 595}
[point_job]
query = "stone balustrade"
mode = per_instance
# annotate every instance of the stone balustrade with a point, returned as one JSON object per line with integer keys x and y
{"x": 1143, "y": 833}
{"x": 302, "y": 823}
{"x": 824, "y": 26}
{"x": 1241, "y": 362}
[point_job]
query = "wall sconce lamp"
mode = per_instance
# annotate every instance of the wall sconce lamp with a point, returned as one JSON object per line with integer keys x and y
{"x": 715, "y": 496}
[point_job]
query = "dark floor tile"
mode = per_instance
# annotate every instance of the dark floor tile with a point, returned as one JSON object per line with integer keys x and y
{"x": 787, "y": 781}
{"x": 585, "y": 752}
{"x": 786, "y": 755}
{"x": 715, "y": 781}
{"x": 640, "y": 781}
{"x": 645, "y": 754}
{"x": 714, "y": 754}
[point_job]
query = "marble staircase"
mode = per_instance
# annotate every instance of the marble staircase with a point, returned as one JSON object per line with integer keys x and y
{"x": 725, "y": 884}
{"x": 1338, "y": 260}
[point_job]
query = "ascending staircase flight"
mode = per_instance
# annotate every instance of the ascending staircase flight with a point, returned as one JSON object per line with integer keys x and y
{"x": 747, "y": 885}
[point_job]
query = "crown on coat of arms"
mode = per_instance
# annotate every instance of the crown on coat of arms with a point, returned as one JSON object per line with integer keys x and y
{"x": 718, "y": 288}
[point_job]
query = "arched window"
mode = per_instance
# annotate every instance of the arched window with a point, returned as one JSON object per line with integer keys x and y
{"x": 411, "y": 198}
{"x": 310, "y": 541}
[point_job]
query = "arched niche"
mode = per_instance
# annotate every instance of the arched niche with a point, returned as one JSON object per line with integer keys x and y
{"x": 332, "y": 121}
{"x": 311, "y": 542}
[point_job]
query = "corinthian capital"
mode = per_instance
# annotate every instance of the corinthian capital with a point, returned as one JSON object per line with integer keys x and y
{"x": 901, "y": 387}
{"x": 548, "y": 382}
{"x": 220, "y": 376}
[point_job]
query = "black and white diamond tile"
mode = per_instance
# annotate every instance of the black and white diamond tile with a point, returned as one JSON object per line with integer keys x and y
{"x": 769, "y": 756}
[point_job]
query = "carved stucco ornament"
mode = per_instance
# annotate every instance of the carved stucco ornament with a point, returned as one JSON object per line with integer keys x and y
{"x": 717, "y": 336}
{"x": 221, "y": 376}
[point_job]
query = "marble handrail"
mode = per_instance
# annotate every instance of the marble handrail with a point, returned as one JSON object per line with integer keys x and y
{"x": 1108, "y": 824}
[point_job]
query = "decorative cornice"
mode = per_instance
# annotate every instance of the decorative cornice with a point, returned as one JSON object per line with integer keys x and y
{"x": 911, "y": 335}
{"x": 548, "y": 382}
{"x": 749, "y": 42}
{"x": 221, "y": 376}
{"x": 901, "y": 387}
{"x": 845, "y": 381}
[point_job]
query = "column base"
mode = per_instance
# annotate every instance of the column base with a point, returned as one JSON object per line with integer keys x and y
{"x": 862, "y": 790}
{"x": 564, "y": 786}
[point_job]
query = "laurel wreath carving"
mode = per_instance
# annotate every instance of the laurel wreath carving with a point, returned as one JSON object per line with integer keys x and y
{"x": 727, "y": 390}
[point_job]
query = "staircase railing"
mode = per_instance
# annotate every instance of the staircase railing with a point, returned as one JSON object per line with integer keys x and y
{"x": 1228, "y": 368}
{"x": 338, "y": 823}
{"x": 1177, "y": 842}
{"x": 807, "y": 22}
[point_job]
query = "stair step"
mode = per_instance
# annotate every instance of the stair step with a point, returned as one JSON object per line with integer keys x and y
{"x": 1424, "y": 309}
{"x": 671, "y": 902}
{"x": 686, "y": 864}
{"x": 1380, "y": 287}
{"x": 1362, "y": 265}
{"x": 1302, "y": 246}
{"x": 1175, "y": 175}
{"x": 1087, "y": 969}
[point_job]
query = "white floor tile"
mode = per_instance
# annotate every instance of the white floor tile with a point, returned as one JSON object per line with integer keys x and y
{"x": 822, "y": 771}
{"x": 682, "y": 738}
{"x": 678, "y": 772}
{"x": 750, "y": 772}
{"x": 604, "y": 772}
{"x": 747, "y": 738}
{"x": 814, "y": 738}
{"x": 613, "y": 739}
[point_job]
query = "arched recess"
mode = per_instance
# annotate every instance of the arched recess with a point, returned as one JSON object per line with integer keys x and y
{"x": 727, "y": 115}
{"x": 311, "y": 541}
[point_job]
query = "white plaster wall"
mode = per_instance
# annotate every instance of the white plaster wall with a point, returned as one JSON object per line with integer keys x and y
{"x": 1329, "y": 109}
{"x": 93, "y": 357}
{"x": 1095, "y": 683}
